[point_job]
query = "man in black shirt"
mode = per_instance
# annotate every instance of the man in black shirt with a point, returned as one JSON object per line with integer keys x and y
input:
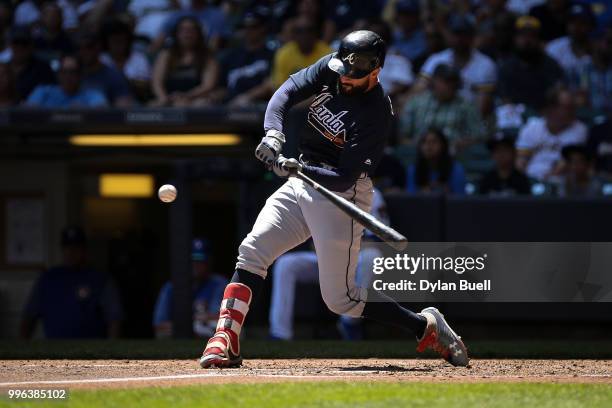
{"x": 527, "y": 75}
{"x": 28, "y": 70}
{"x": 347, "y": 126}
{"x": 246, "y": 68}
{"x": 505, "y": 179}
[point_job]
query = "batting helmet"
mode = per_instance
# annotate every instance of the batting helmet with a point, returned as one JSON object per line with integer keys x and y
{"x": 360, "y": 53}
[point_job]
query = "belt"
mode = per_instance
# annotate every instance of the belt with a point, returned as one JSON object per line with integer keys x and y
{"x": 316, "y": 163}
{"x": 325, "y": 166}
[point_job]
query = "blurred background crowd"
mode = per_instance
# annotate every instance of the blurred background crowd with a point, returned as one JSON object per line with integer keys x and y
{"x": 491, "y": 96}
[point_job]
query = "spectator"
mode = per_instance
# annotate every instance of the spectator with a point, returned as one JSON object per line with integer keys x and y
{"x": 526, "y": 77}
{"x": 50, "y": 39}
{"x": 121, "y": 56}
{"x": 600, "y": 147}
{"x": 28, "y": 70}
{"x": 301, "y": 266}
{"x": 396, "y": 76}
{"x": 6, "y": 17}
{"x": 478, "y": 71}
{"x": 434, "y": 43}
{"x": 495, "y": 33}
{"x": 409, "y": 38}
{"x": 247, "y": 67}
{"x": 211, "y": 20}
{"x": 573, "y": 52}
{"x": 186, "y": 73}
{"x": 541, "y": 139}
{"x": 311, "y": 10}
{"x": 73, "y": 300}
{"x": 28, "y": 13}
{"x": 504, "y": 180}
{"x": 342, "y": 14}
{"x": 444, "y": 109}
{"x": 435, "y": 171}
{"x": 390, "y": 174}
{"x": 553, "y": 15}
{"x": 521, "y": 7}
{"x": 595, "y": 78}
{"x": 69, "y": 93}
{"x": 578, "y": 180}
{"x": 295, "y": 55}
{"x": 151, "y": 16}
{"x": 207, "y": 295}
{"x": 8, "y": 93}
{"x": 97, "y": 75}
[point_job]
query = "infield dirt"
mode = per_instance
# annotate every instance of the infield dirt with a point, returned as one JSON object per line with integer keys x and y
{"x": 145, "y": 373}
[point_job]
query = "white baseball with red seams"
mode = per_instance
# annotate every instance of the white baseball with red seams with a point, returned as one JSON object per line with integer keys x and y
{"x": 167, "y": 193}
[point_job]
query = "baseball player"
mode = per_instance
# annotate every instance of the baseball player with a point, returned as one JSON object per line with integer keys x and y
{"x": 347, "y": 125}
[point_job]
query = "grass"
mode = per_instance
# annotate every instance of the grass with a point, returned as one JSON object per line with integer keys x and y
{"x": 343, "y": 394}
{"x": 186, "y": 349}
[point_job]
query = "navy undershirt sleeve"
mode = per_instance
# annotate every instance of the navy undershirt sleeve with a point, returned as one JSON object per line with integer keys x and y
{"x": 296, "y": 88}
{"x": 283, "y": 99}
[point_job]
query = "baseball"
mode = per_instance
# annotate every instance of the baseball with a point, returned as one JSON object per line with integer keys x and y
{"x": 167, "y": 193}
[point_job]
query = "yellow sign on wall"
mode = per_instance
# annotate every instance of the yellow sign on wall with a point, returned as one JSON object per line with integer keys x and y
{"x": 126, "y": 185}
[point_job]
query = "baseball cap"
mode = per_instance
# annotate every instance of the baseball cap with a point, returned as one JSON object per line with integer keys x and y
{"x": 408, "y": 7}
{"x": 527, "y": 23}
{"x": 73, "y": 236}
{"x": 199, "y": 249}
{"x": 461, "y": 24}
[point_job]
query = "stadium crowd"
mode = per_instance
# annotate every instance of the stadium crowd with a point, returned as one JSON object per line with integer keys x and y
{"x": 491, "y": 96}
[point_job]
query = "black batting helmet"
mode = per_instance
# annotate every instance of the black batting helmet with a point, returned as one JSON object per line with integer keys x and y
{"x": 360, "y": 53}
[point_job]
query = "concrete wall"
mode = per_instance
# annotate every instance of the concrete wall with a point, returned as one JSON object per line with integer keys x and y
{"x": 48, "y": 179}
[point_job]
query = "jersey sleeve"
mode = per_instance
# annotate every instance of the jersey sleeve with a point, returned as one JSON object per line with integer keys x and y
{"x": 296, "y": 88}
{"x": 527, "y": 138}
{"x": 314, "y": 76}
{"x": 429, "y": 66}
{"x": 487, "y": 75}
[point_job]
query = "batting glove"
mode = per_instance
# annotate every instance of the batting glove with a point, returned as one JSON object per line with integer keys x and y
{"x": 270, "y": 146}
{"x": 284, "y": 167}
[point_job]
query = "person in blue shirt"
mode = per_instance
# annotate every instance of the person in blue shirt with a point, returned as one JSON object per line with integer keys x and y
{"x": 69, "y": 92}
{"x": 207, "y": 295}
{"x": 435, "y": 170}
{"x": 100, "y": 76}
{"x": 409, "y": 39}
{"x": 73, "y": 300}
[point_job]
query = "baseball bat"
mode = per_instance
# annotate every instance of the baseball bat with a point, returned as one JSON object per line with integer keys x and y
{"x": 382, "y": 231}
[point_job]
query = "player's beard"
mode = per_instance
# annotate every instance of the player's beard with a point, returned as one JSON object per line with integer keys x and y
{"x": 350, "y": 89}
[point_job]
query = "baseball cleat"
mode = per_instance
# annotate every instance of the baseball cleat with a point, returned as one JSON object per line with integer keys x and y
{"x": 442, "y": 339}
{"x": 217, "y": 354}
